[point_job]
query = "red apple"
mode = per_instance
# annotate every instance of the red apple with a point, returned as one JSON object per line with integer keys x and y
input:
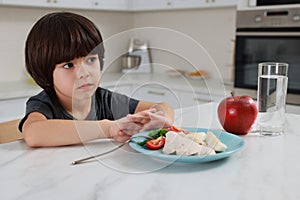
{"x": 237, "y": 114}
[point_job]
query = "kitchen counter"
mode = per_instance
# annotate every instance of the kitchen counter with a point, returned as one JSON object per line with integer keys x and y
{"x": 266, "y": 168}
{"x": 15, "y": 90}
{"x": 14, "y": 95}
{"x": 11, "y": 90}
{"x": 179, "y": 82}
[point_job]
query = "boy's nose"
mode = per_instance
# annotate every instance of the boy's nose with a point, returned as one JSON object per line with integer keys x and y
{"x": 82, "y": 71}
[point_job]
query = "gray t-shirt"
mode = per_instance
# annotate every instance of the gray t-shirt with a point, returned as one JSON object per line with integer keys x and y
{"x": 105, "y": 105}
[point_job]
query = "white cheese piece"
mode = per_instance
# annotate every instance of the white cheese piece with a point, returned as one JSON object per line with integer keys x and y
{"x": 198, "y": 137}
{"x": 213, "y": 142}
{"x": 170, "y": 143}
{"x": 206, "y": 150}
{"x": 183, "y": 145}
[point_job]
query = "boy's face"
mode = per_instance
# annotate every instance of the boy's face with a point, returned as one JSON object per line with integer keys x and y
{"x": 77, "y": 79}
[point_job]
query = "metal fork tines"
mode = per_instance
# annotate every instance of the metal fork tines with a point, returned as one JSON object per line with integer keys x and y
{"x": 112, "y": 150}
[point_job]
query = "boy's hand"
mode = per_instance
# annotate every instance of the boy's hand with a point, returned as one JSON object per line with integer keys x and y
{"x": 150, "y": 119}
{"x": 122, "y": 129}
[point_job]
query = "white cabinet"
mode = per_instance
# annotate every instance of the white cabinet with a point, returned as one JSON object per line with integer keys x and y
{"x": 202, "y": 3}
{"x": 220, "y": 3}
{"x": 122, "y": 89}
{"x": 35, "y": 3}
{"x": 51, "y": 3}
{"x": 188, "y": 99}
{"x": 122, "y": 5}
{"x": 193, "y": 98}
{"x": 190, "y": 3}
{"x": 138, "y": 5}
{"x": 111, "y": 4}
{"x": 156, "y": 93}
{"x": 81, "y": 4}
{"x": 148, "y": 92}
{"x": 76, "y": 4}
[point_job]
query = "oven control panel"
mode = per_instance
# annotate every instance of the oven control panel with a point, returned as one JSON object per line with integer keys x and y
{"x": 267, "y": 4}
{"x": 268, "y": 18}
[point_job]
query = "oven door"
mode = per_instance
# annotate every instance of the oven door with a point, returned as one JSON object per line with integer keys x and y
{"x": 255, "y": 47}
{"x": 275, "y": 2}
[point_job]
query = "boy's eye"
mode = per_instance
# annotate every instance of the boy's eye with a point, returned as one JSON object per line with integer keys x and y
{"x": 91, "y": 59}
{"x": 68, "y": 65}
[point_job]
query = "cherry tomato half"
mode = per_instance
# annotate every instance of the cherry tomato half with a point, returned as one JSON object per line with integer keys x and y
{"x": 174, "y": 128}
{"x": 156, "y": 143}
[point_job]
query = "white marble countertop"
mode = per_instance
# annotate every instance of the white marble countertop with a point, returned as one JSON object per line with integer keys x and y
{"x": 266, "y": 168}
{"x": 180, "y": 82}
{"x": 11, "y": 90}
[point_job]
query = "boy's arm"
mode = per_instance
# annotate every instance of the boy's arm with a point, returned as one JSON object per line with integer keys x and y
{"x": 38, "y": 131}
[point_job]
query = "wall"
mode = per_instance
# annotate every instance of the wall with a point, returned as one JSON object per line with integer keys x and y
{"x": 177, "y": 39}
{"x": 213, "y": 29}
{"x": 15, "y": 24}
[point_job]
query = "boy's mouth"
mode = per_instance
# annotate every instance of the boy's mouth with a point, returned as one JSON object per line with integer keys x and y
{"x": 85, "y": 86}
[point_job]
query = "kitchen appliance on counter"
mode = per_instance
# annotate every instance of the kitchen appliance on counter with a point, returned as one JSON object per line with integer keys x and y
{"x": 138, "y": 58}
{"x": 267, "y": 35}
{"x": 273, "y": 2}
{"x": 266, "y": 4}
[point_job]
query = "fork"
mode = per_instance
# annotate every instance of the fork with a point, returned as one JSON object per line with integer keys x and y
{"x": 112, "y": 150}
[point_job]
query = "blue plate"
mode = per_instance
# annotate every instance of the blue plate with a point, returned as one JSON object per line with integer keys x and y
{"x": 234, "y": 143}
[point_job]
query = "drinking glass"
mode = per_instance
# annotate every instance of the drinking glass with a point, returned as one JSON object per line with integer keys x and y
{"x": 271, "y": 97}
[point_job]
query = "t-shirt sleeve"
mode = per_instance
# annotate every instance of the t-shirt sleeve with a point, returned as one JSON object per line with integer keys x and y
{"x": 33, "y": 105}
{"x": 119, "y": 105}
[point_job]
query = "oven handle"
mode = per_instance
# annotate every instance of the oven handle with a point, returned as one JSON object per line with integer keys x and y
{"x": 268, "y": 33}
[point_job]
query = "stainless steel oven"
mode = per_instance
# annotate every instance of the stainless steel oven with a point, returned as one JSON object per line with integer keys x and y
{"x": 272, "y": 2}
{"x": 267, "y": 36}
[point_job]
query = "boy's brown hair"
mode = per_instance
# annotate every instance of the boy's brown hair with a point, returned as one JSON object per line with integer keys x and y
{"x": 59, "y": 37}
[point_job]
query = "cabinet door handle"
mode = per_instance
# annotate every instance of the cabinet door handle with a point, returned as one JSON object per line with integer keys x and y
{"x": 156, "y": 93}
{"x": 201, "y": 99}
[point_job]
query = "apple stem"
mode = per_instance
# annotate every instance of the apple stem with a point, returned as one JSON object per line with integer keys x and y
{"x": 232, "y": 94}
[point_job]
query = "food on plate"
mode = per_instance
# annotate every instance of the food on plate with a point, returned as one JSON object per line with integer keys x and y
{"x": 154, "y": 134}
{"x": 178, "y": 141}
{"x": 197, "y": 137}
{"x": 176, "y": 129}
{"x": 237, "y": 114}
{"x": 181, "y": 145}
{"x": 198, "y": 73}
{"x": 175, "y": 71}
{"x": 213, "y": 142}
{"x": 156, "y": 143}
{"x": 161, "y": 132}
{"x": 195, "y": 143}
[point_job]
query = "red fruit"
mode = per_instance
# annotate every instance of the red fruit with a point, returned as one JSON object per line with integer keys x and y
{"x": 237, "y": 114}
{"x": 156, "y": 143}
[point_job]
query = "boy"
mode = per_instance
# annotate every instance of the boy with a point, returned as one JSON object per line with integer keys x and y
{"x": 64, "y": 55}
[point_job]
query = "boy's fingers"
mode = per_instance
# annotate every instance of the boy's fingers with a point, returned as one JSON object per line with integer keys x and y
{"x": 122, "y": 138}
{"x": 141, "y": 119}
